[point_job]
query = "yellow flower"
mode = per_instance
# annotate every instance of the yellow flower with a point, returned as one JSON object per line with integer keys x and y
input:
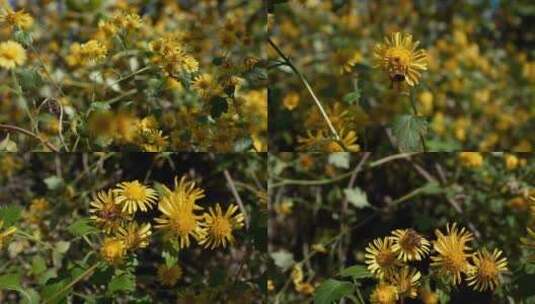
{"x": 270, "y": 285}
{"x": 170, "y": 55}
{"x": 427, "y": 296}
{"x": 92, "y": 51}
{"x": 12, "y": 54}
{"x": 205, "y": 85}
{"x": 511, "y": 162}
{"x": 406, "y": 281}
{"x": 384, "y": 294}
{"x": 452, "y": 258}
{"x": 305, "y": 288}
{"x": 471, "y": 159}
{"x": 6, "y": 234}
{"x": 426, "y": 101}
{"x": 135, "y": 236}
{"x": 322, "y": 141}
{"x": 400, "y": 59}
{"x": 409, "y": 245}
{"x": 291, "y": 101}
{"x": 134, "y": 195}
{"x": 16, "y": 18}
{"x": 105, "y": 211}
{"x": 380, "y": 257}
{"x": 487, "y": 270}
{"x": 169, "y": 275}
{"x": 113, "y": 250}
{"x": 218, "y": 226}
{"x": 179, "y": 217}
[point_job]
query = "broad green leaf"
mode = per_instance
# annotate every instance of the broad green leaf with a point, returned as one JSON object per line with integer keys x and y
{"x": 357, "y": 197}
{"x": 283, "y": 259}
{"x": 356, "y": 272}
{"x": 10, "y": 214}
{"x": 81, "y": 227}
{"x": 408, "y": 129}
{"x": 340, "y": 159}
{"x": 352, "y": 97}
{"x": 332, "y": 290}
{"x": 123, "y": 282}
{"x": 38, "y": 264}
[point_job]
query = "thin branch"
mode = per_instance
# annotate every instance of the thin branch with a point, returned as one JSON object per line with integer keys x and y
{"x": 309, "y": 88}
{"x": 29, "y": 133}
{"x": 237, "y": 197}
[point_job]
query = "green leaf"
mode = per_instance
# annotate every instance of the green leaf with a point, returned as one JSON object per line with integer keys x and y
{"x": 408, "y": 129}
{"x": 123, "y": 282}
{"x": 357, "y": 197}
{"x": 10, "y": 214}
{"x": 8, "y": 145}
{"x": 340, "y": 159}
{"x": 331, "y": 291}
{"x": 81, "y": 227}
{"x": 22, "y": 37}
{"x": 53, "y": 182}
{"x": 38, "y": 264}
{"x": 29, "y": 79}
{"x": 283, "y": 259}
{"x": 352, "y": 97}
{"x": 356, "y": 272}
{"x": 11, "y": 281}
{"x": 219, "y": 106}
{"x": 51, "y": 293}
{"x": 62, "y": 247}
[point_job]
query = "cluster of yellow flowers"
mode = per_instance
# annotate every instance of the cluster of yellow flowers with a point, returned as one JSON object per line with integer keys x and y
{"x": 389, "y": 260}
{"x": 113, "y": 211}
{"x": 529, "y": 240}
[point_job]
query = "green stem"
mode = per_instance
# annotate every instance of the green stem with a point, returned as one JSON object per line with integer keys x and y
{"x": 82, "y": 276}
{"x": 30, "y": 237}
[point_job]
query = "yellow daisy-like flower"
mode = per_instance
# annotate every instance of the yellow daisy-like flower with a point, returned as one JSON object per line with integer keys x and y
{"x": 12, "y": 54}
{"x": 322, "y": 141}
{"x": 410, "y": 245}
{"x": 134, "y": 235}
{"x": 218, "y": 226}
{"x": 384, "y": 293}
{"x": 487, "y": 270}
{"x": 452, "y": 259}
{"x": 407, "y": 281}
{"x": 205, "y": 85}
{"x": 381, "y": 257}
{"x": 186, "y": 192}
{"x": 169, "y": 275}
{"x": 113, "y": 250}
{"x": 180, "y": 219}
{"x": 105, "y": 212}
{"x": 399, "y": 57}
{"x": 134, "y": 195}
{"x": 6, "y": 234}
{"x": 16, "y": 18}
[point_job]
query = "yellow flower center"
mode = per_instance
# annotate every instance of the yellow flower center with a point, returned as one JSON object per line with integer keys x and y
{"x": 386, "y": 294}
{"x": 112, "y": 250}
{"x": 134, "y": 192}
{"x": 400, "y": 57}
{"x": 184, "y": 225}
{"x": 410, "y": 241}
{"x": 221, "y": 226}
{"x": 385, "y": 258}
{"x": 454, "y": 261}
{"x": 487, "y": 269}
